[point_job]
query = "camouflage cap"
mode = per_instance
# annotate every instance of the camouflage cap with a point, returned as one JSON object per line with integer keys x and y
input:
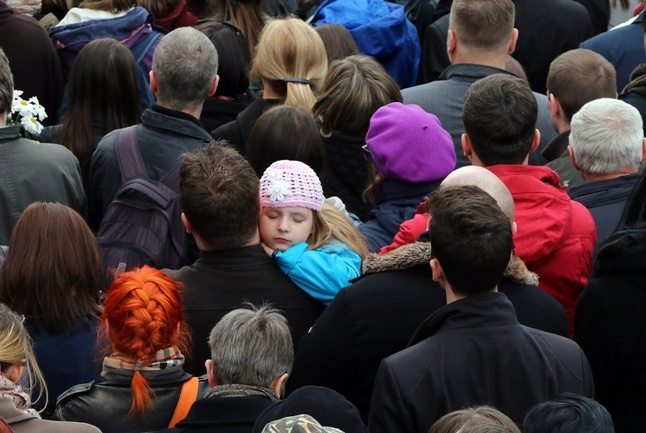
{"x": 298, "y": 424}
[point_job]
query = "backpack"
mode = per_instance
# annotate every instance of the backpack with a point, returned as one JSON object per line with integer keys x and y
{"x": 142, "y": 225}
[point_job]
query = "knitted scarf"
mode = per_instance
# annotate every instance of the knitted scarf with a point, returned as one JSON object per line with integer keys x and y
{"x": 165, "y": 358}
{"x": 637, "y": 81}
{"x": 236, "y": 390}
{"x": 8, "y": 389}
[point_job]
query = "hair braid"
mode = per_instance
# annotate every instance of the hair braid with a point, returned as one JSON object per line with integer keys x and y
{"x": 143, "y": 311}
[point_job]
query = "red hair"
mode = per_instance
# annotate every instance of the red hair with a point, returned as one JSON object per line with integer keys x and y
{"x": 143, "y": 309}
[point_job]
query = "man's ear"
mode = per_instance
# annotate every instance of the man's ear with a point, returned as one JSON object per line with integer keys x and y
{"x": 153, "y": 82}
{"x": 573, "y": 158}
{"x": 436, "y": 268}
{"x": 451, "y": 43}
{"x": 187, "y": 224}
{"x": 278, "y": 385}
{"x": 214, "y": 86}
{"x": 553, "y": 106}
{"x": 466, "y": 146}
{"x": 512, "y": 42}
{"x": 536, "y": 142}
{"x": 209, "y": 373}
{"x": 643, "y": 149}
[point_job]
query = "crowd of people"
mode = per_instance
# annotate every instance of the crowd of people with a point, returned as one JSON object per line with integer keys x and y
{"x": 282, "y": 216}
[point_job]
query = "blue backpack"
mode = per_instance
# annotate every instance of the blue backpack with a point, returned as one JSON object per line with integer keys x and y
{"x": 142, "y": 225}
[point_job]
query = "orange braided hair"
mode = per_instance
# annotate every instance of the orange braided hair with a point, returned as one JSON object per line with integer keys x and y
{"x": 142, "y": 312}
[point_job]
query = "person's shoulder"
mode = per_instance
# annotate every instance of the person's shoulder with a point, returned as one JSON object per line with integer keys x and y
{"x": 420, "y": 94}
{"x": 51, "y": 426}
{"x": 74, "y": 392}
{"x": 560, "y": 347}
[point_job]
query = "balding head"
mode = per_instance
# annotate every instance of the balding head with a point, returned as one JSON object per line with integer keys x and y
{"x": 486, "y": 180}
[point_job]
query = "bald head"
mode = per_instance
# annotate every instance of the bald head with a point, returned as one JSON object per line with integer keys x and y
{"x": 486, "y": 180}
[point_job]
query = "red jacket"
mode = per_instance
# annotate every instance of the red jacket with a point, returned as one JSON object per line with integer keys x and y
{"x": 410, "y": 230}
{"x": 556, "y": 236}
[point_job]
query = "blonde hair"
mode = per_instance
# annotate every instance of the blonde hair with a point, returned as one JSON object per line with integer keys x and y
{"x": 330, "y": 224}
{"x": 291, "y": 48}
{"x": 15, "y": 345}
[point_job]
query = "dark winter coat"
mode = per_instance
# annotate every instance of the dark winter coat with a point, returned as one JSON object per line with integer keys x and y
{"x": 480, "y": 355}
{"x": 378, "y": 314}
{"x": 346, "y": 173}
{"x": 221, "y": 281}
{"x": 611, "y": 329}
{"x": 397, "y": 202}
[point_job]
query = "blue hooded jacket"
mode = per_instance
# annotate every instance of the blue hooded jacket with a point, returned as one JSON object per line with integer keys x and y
{"x": 380, "y": 30}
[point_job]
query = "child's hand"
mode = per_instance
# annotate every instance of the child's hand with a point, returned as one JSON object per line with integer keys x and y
{"x": 268, "y": 250}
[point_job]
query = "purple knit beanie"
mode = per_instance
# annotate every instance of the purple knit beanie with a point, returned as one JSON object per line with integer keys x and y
{"x": 291, "y": 184}
{"x": 406, "y": 143}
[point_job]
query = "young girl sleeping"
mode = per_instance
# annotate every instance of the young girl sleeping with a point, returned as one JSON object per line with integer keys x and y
{"x": 315, "y": 244}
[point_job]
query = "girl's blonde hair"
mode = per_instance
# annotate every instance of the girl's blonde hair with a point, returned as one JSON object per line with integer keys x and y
{"x": 291, "y": 48}
{"x": 330, "y": 224}
{"x": 15, "y": 349}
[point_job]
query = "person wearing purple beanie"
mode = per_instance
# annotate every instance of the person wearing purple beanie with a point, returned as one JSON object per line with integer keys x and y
{"x": 410, "y": 154}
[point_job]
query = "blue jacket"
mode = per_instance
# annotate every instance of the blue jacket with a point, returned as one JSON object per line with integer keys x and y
{"x": 130, "y": 29}
{"x": 321, "y": 273}
{"x": 397, "y": 202}
{"x": 381, "y": 30}
{"x": 623, "y": 47}
{"x": 605, "y": 199}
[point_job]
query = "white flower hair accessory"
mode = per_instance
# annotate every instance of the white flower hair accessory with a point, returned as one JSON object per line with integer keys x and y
{"x": 278, "y": 190}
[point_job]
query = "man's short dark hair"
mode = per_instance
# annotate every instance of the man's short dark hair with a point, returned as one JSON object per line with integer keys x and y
{"x": 484, "y": 25}
{"x": 219, "y": 194}
{"x": 470, "y": 237}
{"x": 568, "y": 413}
{"x": 499, "y": 116}
{"x": 579, "y": 76}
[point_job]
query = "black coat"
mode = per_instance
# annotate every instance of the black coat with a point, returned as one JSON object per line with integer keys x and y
{"x": 221, "y": 281}
{"x": 237, "y": 132}
{"x": 106, "y": 404}
{"x": 472, "y": 352}
{"x": 546, "y": 29}
{"x": 222, "y": 415}
{"x": 610, "y": 327}
{"x": 33, "y": 60}
{"x": 377, "y": 316}
{"x": 346, "y": 172}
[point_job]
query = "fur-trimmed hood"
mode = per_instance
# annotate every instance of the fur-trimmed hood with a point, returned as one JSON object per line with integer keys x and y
{"x": 419, "y": 253}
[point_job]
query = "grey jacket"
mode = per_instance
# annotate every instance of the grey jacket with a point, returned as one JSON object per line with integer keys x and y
{"x": 21, "y": 422}
{"x": 445, "y": 99}
{"x": 31, "y": 171}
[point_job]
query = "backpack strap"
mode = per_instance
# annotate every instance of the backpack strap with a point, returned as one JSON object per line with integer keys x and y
{"x": 187, "y": 397}
{"x": 171, "y": 179}
{"x": 140, "y": 50}
{"x": 130, "y": 162}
